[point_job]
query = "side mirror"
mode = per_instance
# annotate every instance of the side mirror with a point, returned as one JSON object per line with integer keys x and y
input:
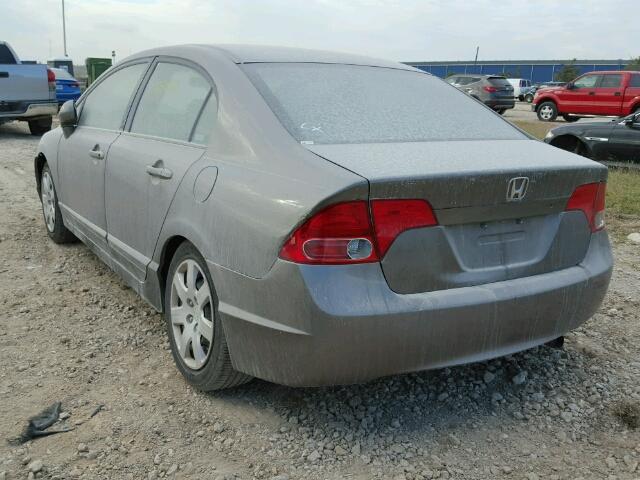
{"x": 68, "y": 116}
{"x": 570, "y": 86}
{"x": 633, "y": 122}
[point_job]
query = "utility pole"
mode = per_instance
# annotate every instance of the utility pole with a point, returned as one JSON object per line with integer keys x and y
{"x": 475, "y": 62}
{"x": 64, "y": 31}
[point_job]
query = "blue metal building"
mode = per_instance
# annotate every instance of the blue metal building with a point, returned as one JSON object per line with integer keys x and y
{"x": 535, "y": 70}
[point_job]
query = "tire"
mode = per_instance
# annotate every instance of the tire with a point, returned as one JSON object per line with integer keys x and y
{"x": 528, "y": 98}
{"x": 51, "y": 210}
{"x": 547, "y": 112}
{"x": 501, "y": 111}
{"x": 570, "y": 119}
{"x": 191, "y": 306}
{"x": 40, "y": 126}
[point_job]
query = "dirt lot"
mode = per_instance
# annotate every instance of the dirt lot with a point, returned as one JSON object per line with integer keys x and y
{"x": 71, "y": 332}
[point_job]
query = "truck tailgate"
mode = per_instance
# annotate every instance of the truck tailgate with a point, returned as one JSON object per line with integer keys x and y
{"x": 23, "y": 83}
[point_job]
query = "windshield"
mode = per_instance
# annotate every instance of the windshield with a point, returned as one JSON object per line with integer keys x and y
{"x": 328, "y": 104}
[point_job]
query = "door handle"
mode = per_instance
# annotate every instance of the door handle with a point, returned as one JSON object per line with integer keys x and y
{"x": 95, "y": 153}
{"x": 159, "y": 172}
{"x": 617, "y": 94}
{"x": 592, "y": 93}
{"x": 4, "y": 74}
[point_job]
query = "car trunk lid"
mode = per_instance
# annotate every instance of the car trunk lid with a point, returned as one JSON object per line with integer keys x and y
{"x": 483, "y": 234}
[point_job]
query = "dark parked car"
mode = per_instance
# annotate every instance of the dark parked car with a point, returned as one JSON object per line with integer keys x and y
{"x": 617, "y": 140}
{"x": 494, "y": 91}
{"x": 67, "y": 87}
{"x": 539, "y": 86}
{"x": 315, "y": 218}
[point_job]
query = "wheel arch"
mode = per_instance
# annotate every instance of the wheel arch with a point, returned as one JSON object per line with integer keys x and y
{"x": 547, "y": 99}
{"x": 569, "y": 139}
{"x": 38, "y": 165}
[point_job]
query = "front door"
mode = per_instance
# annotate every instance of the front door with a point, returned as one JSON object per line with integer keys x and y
{"x": 580, "y": 98}
{"x": 624, "y": 142}
{"x": 83, "y": 155}
{"x": 147, "y": 164}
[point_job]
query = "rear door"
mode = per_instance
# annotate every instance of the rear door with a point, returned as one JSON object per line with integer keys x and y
{"x": 147, "y": 163}
{"x": 608, "y": 96}
{"x": 624, "y": 141}
{"x": 83, "y": 155}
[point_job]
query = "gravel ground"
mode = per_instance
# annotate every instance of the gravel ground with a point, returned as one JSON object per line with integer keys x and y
{"x": 70, "y": 331}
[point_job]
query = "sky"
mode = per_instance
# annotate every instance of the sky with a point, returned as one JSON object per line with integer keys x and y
{"x": 402, "y": 30}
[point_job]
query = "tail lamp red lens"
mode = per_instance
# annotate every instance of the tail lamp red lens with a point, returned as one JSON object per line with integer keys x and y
{"x": 490, "y": 89}
{"x": 51, "y": 77}
{"x": 347, "y": 233}
{"x": 590, "y": 199}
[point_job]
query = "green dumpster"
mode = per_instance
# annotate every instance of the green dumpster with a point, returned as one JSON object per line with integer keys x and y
{"x": 96, "y": 67}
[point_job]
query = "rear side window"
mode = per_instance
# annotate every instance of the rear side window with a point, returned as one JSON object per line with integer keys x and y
{"x": 171, "y": 103}
{"x": 332, "y": 104}
{"x": 106, "y": 105}
{"x": 635, "y": 81}
{"x": 611, "y": 81}
{"x": 6, "y": 56}
{"x": 206, "y": 122}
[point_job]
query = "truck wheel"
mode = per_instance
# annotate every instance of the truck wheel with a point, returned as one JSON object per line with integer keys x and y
{"x": 528, "y": 98}
{"x": 197, "y": 339}
{"x": 40, "y": 126}
{"x": 51, "y": 210}
{"x": 547, "y": 112}
{"x": 570, "y": 118}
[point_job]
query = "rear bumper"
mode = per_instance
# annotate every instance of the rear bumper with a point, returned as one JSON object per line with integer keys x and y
{"x": 316, "y": 325}
{"x": 29, "y": 110}
{"x": 500, "y": 104}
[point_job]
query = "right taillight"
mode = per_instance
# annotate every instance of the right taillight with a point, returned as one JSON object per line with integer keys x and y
{"x": 590, "y": 199}
{"x": 51, "y": 80}
{"x": 490, "y": 89}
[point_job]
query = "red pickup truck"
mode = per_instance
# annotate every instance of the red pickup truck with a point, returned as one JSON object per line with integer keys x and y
{"x": 595, "y": 93}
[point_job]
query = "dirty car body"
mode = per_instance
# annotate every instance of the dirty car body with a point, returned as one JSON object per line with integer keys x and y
{"x": 358, "y": 218}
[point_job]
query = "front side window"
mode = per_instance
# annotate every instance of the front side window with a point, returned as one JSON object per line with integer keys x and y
{"x": 588, "y": 81}
{"x": 611, "y": 81}
{"x": 171, "y": 103}
{"x": 635, "y": 80}
{"x": 332, "y": 103}
{"x": 106, "y": 105}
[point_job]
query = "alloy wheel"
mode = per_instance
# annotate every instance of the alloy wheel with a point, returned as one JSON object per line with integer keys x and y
{"x": 192, "y": 314}
{"x": 48, "y": 197}
{"x": 546, "y": 112}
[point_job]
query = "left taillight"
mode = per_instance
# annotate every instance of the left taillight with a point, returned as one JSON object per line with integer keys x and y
{"x": 51, "y": 79}
{"x": 590, "y": 199}
{"x": 348, "y": 232}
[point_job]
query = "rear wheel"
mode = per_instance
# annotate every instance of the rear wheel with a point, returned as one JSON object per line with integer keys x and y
{"x": 570, "y": 118}
{"x": 198, "y": 343}
{"x": 528, "y": 98}
{"x": 40, "y": 126}
{"x": 547, "y": 112}
{"x": 51, "y": 210}
{"x": 501, "y": 111}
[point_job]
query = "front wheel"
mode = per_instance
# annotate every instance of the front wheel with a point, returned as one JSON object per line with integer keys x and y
{"x": 528, "y": 98}
{"x": 40, "y": 126}
{"x": 198, "y": 342}
{"x": 51, "y": 210}
{"x": 547, "y": 112}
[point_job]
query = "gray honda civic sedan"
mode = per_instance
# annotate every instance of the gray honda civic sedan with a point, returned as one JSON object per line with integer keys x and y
{"x": 315, "y": 218}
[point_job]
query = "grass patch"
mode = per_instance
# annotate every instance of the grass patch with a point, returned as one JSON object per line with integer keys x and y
{"x": 537, "y": 129}
{"x": 628, "y": 413}
{"x": 623, "y": 192}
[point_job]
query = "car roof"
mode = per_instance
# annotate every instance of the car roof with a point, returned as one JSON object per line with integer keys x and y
{"x": 272, "y": 54}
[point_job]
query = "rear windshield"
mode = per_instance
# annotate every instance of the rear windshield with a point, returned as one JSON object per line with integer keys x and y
{"x": 328, "y": 104}
{"x": 6, "y": 56}
{"x": 62, "y": 74}
{"x": 499, "y": 81}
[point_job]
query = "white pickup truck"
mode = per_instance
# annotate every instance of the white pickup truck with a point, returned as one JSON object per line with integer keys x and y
{"x": 27, "y": 92}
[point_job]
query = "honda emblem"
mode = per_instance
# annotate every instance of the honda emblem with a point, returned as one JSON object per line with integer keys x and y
{"x": 517, "y": 189}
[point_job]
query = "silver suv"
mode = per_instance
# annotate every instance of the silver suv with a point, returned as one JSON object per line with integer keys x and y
{"x": 494, "y": 91}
